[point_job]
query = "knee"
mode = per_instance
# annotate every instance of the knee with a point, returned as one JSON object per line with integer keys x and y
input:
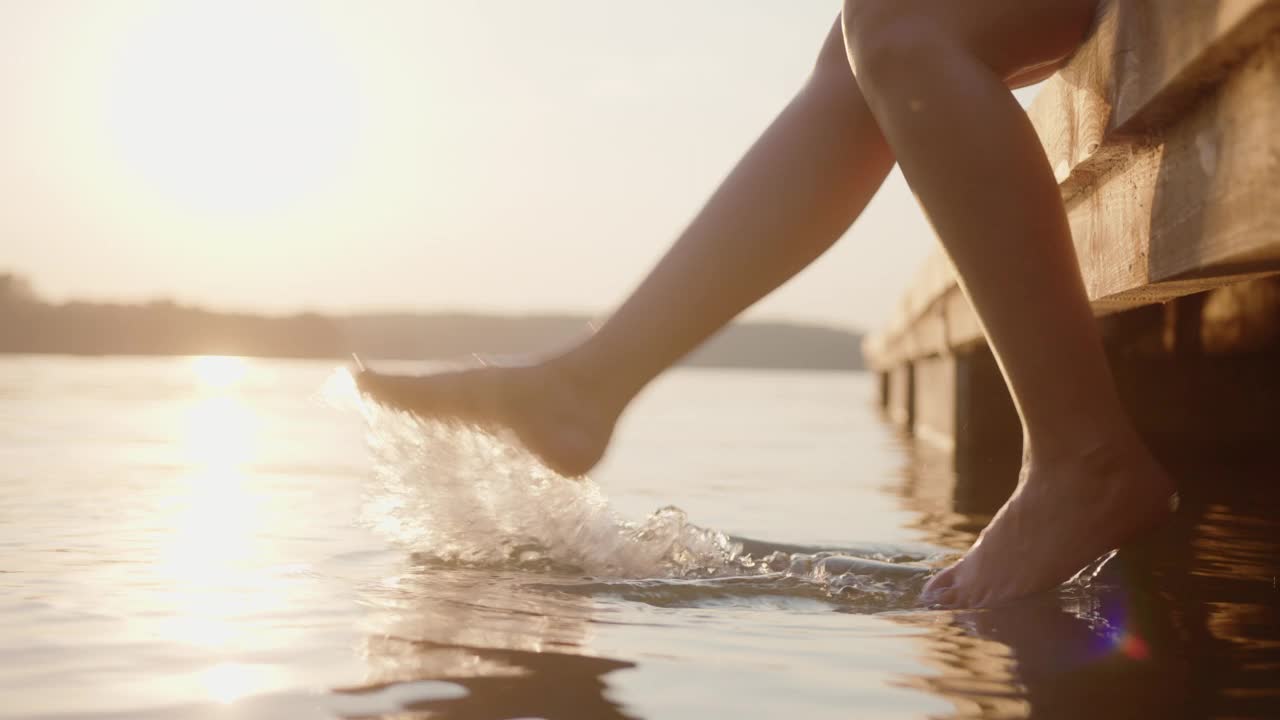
{"x": 831, "y": 80}
{"x": 890, "y": 43}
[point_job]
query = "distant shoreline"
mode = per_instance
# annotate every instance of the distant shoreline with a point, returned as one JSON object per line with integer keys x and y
{"x": 346, "y": 360}
{"x": 29, "y": 325}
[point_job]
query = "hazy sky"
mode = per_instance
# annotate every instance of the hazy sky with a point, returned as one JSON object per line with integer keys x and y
{"x": 509, "y": 156}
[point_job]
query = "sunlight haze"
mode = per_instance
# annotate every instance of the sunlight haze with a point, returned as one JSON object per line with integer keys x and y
{"x": 497, "y": 156}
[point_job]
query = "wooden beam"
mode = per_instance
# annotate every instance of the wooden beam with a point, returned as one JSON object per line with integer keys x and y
{"x": 1146, "y": 62}
{"x": 1201, "y": 204}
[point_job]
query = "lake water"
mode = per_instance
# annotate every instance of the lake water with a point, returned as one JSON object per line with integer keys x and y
{"x": 223, "y": 538}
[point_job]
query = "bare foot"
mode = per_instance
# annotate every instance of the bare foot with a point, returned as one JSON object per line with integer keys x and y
{"x": 561, "y": 417}
{"x": 1064, "y": 515}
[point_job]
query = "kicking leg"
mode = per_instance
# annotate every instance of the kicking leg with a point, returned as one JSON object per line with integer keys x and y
{"x": 790, "y": 198}
{"x": 935, "y": 75}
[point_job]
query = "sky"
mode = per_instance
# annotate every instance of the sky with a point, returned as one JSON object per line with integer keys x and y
{"x": 511, "y": 157}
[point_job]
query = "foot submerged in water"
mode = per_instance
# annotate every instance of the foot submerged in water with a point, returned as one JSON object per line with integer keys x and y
{"x": 557, "y": 415}
{"x": 1064, "y": 515}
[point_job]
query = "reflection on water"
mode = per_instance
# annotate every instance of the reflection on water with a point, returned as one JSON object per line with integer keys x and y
{"x": 213, "y": 522}
{"x": 1184, "y": 624}
{"x": 516, "y": 650}
{"x": 209, "y": 538}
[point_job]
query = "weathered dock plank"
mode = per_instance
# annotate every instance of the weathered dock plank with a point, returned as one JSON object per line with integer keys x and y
{"x": 1147, "y": 61}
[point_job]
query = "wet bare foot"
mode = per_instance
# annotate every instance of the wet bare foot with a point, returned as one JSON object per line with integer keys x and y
{"x": 1064, "y": 515}
{"x": 561, "y": 417}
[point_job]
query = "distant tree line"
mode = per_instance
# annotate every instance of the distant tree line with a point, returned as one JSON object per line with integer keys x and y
{"x": 28, "y": 324}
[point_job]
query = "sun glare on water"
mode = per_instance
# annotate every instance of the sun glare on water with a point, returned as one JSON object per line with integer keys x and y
{"x": 217, "y": 566}
{"x": 229, "y": 681}
{"x": 219, "y": 372}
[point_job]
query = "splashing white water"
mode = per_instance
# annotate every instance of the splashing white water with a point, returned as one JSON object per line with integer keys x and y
{"x": 457, "y": 494}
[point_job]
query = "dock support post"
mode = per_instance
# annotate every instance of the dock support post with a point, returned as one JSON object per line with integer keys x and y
{"x": 964, "y": 411}
{"x": 901, "y": 389}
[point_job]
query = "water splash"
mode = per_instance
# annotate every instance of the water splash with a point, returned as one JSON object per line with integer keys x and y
{"x": 460, "y": 495}
{"x": 457, "y": 495}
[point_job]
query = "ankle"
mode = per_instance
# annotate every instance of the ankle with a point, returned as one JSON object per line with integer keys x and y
{"x": 1069, "y": 439}
{"x": 585, "y": 371}
{"x": 1116, "y": 466}
{"x": 1094, "y": 451}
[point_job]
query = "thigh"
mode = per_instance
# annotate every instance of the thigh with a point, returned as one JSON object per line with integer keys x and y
{"x": 1018, "y": 39}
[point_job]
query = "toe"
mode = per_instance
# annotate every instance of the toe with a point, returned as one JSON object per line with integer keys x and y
{"x": 950, "y": 599}
{"x": 403, "y": 392}
{"x": 940, "y": 586}
{"x": 370, "y": 382}
{"x": 962, "y": 597}
{"x": 985, "y": 600}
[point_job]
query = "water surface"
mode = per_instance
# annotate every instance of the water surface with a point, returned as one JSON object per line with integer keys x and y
{"x": 236, "y": 539}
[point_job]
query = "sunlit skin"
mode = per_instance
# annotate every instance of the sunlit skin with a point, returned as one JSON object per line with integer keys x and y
{"x": 929, "y": 90}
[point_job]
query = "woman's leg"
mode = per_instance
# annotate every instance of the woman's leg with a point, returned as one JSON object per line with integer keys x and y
{"x": 790, "y": 198}
{"x": 934, "y": 74}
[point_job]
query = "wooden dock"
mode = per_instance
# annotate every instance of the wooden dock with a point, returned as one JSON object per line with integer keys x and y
{"x": 1164, "y": 135}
